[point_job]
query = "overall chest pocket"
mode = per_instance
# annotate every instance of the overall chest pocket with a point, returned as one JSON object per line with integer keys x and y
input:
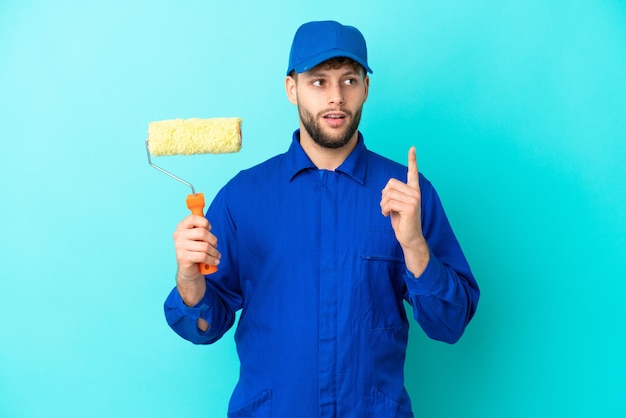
{"x": 382, "y": 284}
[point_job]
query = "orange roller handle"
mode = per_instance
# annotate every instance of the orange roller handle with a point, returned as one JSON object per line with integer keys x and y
{"x": 195, "y": 203}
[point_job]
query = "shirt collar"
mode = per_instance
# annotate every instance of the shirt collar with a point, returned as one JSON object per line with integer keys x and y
{"x": 354, "y": 166}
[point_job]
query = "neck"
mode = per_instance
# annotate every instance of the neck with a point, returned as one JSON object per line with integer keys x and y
{"x": 326, "y": 158}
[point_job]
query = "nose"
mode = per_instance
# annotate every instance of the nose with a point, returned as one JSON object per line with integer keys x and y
{"x": 336, "y": 94}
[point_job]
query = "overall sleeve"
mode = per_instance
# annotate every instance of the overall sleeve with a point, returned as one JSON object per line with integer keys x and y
{"x": 223, "y": 295}
{"x": 445, "y": 296}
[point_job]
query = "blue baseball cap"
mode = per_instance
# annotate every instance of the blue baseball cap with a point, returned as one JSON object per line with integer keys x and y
{"x": 316, "y": 42}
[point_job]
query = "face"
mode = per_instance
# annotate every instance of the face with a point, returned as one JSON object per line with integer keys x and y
{"x": 329, "y": 102}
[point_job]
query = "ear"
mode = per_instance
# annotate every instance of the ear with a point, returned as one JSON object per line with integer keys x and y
{"x": 366, "y": 84}
{"x": 290, "y": 87}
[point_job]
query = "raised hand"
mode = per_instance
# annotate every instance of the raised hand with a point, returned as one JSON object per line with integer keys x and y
{"x": 194, "y": 244}
{"x": 402, "y": 203}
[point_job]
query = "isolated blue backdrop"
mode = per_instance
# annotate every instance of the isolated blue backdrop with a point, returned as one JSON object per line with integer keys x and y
{"x": 518, "y": 113}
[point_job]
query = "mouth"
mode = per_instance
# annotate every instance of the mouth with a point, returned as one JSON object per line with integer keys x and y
{"x": 334, "y": 119}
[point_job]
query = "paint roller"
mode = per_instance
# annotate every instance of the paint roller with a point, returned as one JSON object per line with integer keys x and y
{"x": 188, "y": 137}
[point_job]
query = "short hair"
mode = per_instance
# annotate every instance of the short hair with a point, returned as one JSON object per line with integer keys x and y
{"x": 335, "y": 63}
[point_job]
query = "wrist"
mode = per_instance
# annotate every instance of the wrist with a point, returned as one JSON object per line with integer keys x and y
{"x": 416, "y": 257}
{"x": 191, "y": 287}
{"x": 188, "y": 277}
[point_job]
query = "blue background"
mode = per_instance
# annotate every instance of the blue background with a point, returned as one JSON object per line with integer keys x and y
{"x": 518, "y": 112}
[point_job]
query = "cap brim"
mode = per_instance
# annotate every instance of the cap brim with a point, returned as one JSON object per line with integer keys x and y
{"x": 317, "y": 59}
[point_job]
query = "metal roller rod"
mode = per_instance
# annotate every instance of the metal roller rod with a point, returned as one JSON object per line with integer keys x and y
{"x": 193, "y": 191}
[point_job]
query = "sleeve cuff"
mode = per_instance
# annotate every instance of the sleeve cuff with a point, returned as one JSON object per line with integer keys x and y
{"x": 428, "y": 281}
{"x": 202, "y": 309}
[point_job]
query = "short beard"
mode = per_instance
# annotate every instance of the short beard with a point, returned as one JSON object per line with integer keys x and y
{"x": 320, "y": 138}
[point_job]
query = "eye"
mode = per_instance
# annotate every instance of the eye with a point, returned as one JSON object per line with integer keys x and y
{"x": 350, "y": 81}
{"x": 317, "y": 83}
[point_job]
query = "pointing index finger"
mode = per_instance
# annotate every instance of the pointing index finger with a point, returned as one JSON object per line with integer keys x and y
{"x": 412, "y": 175}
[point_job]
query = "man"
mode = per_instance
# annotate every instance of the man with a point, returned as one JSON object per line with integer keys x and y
{"x": 319, "y": 247}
